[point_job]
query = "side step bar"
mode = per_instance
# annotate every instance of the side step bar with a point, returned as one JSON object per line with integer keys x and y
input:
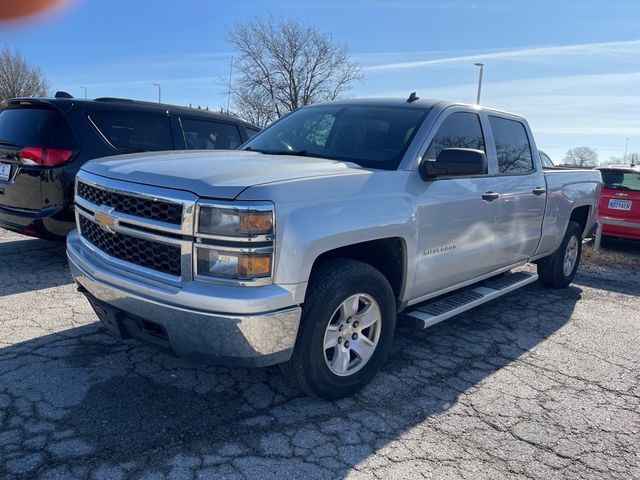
{"x": 436, "y": 311}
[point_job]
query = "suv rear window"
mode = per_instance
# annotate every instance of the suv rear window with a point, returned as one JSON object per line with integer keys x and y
{"x": 621, "y": 180}
{"x": 35, "y": 127}
{"x": 131, "y": 131}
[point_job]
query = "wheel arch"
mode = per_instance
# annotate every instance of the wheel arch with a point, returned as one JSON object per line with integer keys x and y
{"x": 388, "y": 255}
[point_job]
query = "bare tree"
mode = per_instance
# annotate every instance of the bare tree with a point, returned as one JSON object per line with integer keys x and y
{"x": 581, "y": 157}
{"x": 18, "y": 78}
{"x": 631, "y": 159}
{"x": 282, "y": 65}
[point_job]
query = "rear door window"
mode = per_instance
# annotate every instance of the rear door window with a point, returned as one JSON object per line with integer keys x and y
{"x": 209, "y": 135}
{"x": 512, "y": 146}
{"x": 35, "y": 127}
{"x": 132, "y": 131}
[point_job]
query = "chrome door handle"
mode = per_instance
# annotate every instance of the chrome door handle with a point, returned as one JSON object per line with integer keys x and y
{"x": 490, "y": 196}
{"x": 539, "y": 191}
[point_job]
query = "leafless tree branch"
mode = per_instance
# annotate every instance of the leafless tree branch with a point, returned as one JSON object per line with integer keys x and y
{"x": 18, "y": 78}
{"x": 282, "y": 65}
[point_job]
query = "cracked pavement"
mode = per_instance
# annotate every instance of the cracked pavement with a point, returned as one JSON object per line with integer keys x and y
{"x": 539, "y": 384}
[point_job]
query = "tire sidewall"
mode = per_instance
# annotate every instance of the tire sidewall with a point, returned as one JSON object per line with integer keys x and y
{"x": 573, "y": 229}
{"x": 318, "y": 314}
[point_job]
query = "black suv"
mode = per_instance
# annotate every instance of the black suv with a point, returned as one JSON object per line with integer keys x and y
{"x": 44, "y": 142}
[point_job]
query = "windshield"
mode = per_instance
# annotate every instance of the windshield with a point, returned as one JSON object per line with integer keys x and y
{"x": 371, "y": 136}
{"x": 621, "y": 180}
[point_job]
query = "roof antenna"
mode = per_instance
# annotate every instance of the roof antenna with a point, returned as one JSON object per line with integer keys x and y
{"x": 413, "y": 97}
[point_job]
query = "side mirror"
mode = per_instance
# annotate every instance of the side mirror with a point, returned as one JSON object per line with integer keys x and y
{"x": 455, "y": 161}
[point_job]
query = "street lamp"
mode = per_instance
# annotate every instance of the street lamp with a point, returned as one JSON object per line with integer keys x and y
{"x": 626, "y": 147}
{"x": 481, "y": 65}
{"x": 159, "y": 92}
{"x": 85, "y": 91}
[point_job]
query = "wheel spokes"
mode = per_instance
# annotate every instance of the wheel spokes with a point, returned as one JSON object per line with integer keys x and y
{"x": 331, "y": 337}
{"x": 367, "y": 317}
{"x": 349, "y": 307}
{"x": 363, "y": 348}
{"x": 340, "y": 360}
{"x": 344, "y": 334}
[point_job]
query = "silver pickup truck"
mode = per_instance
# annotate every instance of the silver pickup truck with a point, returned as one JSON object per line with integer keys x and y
{"x": 302, "y": 248}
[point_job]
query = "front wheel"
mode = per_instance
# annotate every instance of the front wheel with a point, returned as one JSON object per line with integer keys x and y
{"x": 559, "y": 269}
{"x": 346, "y": 330}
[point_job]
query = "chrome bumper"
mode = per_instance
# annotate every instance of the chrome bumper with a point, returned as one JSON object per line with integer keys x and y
{"x": 213, "y": 333}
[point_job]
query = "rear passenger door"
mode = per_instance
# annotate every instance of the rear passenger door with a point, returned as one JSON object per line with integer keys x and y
{"x": 202, "y": 134}
{"x": 522, "y": 191}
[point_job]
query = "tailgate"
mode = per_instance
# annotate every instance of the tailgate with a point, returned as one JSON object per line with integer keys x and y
{"x": 29, "y": 126}
{"x": 623, "y": 205}
{"x": 19, "y": 187}
{"x": 620, "y": 197}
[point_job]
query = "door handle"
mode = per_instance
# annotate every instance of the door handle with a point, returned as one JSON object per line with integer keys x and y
{"x": 490, "y": 196}
{"x": 539, "y": 191}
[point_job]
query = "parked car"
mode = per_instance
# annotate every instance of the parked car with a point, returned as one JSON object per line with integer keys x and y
{"x": 302, "y": 247}
{"x": 546, "y": 160}
{"x": 44, "y": 142}
{"x": 620, "y": 199}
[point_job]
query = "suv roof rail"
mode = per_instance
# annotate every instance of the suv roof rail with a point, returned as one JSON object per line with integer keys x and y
{"x": 62, "y": 94}
{"x": 114, "y": 99}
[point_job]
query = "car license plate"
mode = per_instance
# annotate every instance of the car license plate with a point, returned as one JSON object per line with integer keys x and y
{"x": 5, "y": 171}
{"x": 619, "y": 204}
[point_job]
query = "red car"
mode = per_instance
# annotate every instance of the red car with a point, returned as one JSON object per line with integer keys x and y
{"x": 620, "y": 199}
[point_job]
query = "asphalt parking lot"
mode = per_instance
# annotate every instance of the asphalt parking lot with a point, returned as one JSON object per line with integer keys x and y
{"x": 540, "y": 384}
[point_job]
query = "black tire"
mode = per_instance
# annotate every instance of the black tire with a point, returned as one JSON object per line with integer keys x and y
{"x": 330, "y": 285}
{"x": 551, "y": 268}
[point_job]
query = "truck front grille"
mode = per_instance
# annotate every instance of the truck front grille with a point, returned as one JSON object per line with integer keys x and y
{"x": 159, "y": 210}
{"x": 157, "y": 256}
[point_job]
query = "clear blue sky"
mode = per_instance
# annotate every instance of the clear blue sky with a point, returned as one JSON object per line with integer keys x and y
{"x": 572, "y": 68}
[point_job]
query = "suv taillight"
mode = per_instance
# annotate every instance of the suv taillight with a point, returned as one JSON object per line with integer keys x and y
{"x": 44, "y": 157}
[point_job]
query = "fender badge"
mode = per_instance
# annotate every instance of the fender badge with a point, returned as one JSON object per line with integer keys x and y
{"x": 444, "y": 248}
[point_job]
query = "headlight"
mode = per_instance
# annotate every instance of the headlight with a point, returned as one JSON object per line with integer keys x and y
{"x": 217, "y": 262}
{"x": 235, "y": 222}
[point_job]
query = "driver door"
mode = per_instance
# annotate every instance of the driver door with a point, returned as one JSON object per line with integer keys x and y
{"x": 456, "y": 226}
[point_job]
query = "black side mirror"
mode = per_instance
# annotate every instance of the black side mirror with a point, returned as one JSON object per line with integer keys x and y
{"x": 455, "y": 161}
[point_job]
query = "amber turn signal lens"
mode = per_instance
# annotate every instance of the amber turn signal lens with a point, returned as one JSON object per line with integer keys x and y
{"x": 252, "y": 266}
{"x": 256, "y": 222}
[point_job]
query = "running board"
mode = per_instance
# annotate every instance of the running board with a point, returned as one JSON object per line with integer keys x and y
{"x": 430, "y": 313}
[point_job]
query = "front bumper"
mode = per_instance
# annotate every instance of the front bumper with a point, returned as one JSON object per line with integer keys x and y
{"x": 167, "y": 318}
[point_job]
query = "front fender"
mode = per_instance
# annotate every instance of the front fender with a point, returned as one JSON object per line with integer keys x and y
{"x": 317, "y": 215}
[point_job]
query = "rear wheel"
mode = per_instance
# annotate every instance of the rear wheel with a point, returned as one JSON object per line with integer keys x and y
{"x": 559, "y": 269}
{"x": 346, "y": 330}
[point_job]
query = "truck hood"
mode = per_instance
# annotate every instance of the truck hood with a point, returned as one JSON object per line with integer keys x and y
{"x": 215, "y": 174}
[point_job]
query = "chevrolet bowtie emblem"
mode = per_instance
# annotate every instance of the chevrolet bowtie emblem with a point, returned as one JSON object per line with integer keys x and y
{"x": 105, "y": 220}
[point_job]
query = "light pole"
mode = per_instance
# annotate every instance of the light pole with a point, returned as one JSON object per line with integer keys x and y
{"x": 626, "y": 147}
{"x": 230, "y": 77}
{"x": 481, "y": 65}
{"x": 159, "y": 92}
{"x": 85, "y": 91}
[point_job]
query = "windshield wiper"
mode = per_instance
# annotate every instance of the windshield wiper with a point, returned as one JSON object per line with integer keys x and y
{"x": 300, "y": 153}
